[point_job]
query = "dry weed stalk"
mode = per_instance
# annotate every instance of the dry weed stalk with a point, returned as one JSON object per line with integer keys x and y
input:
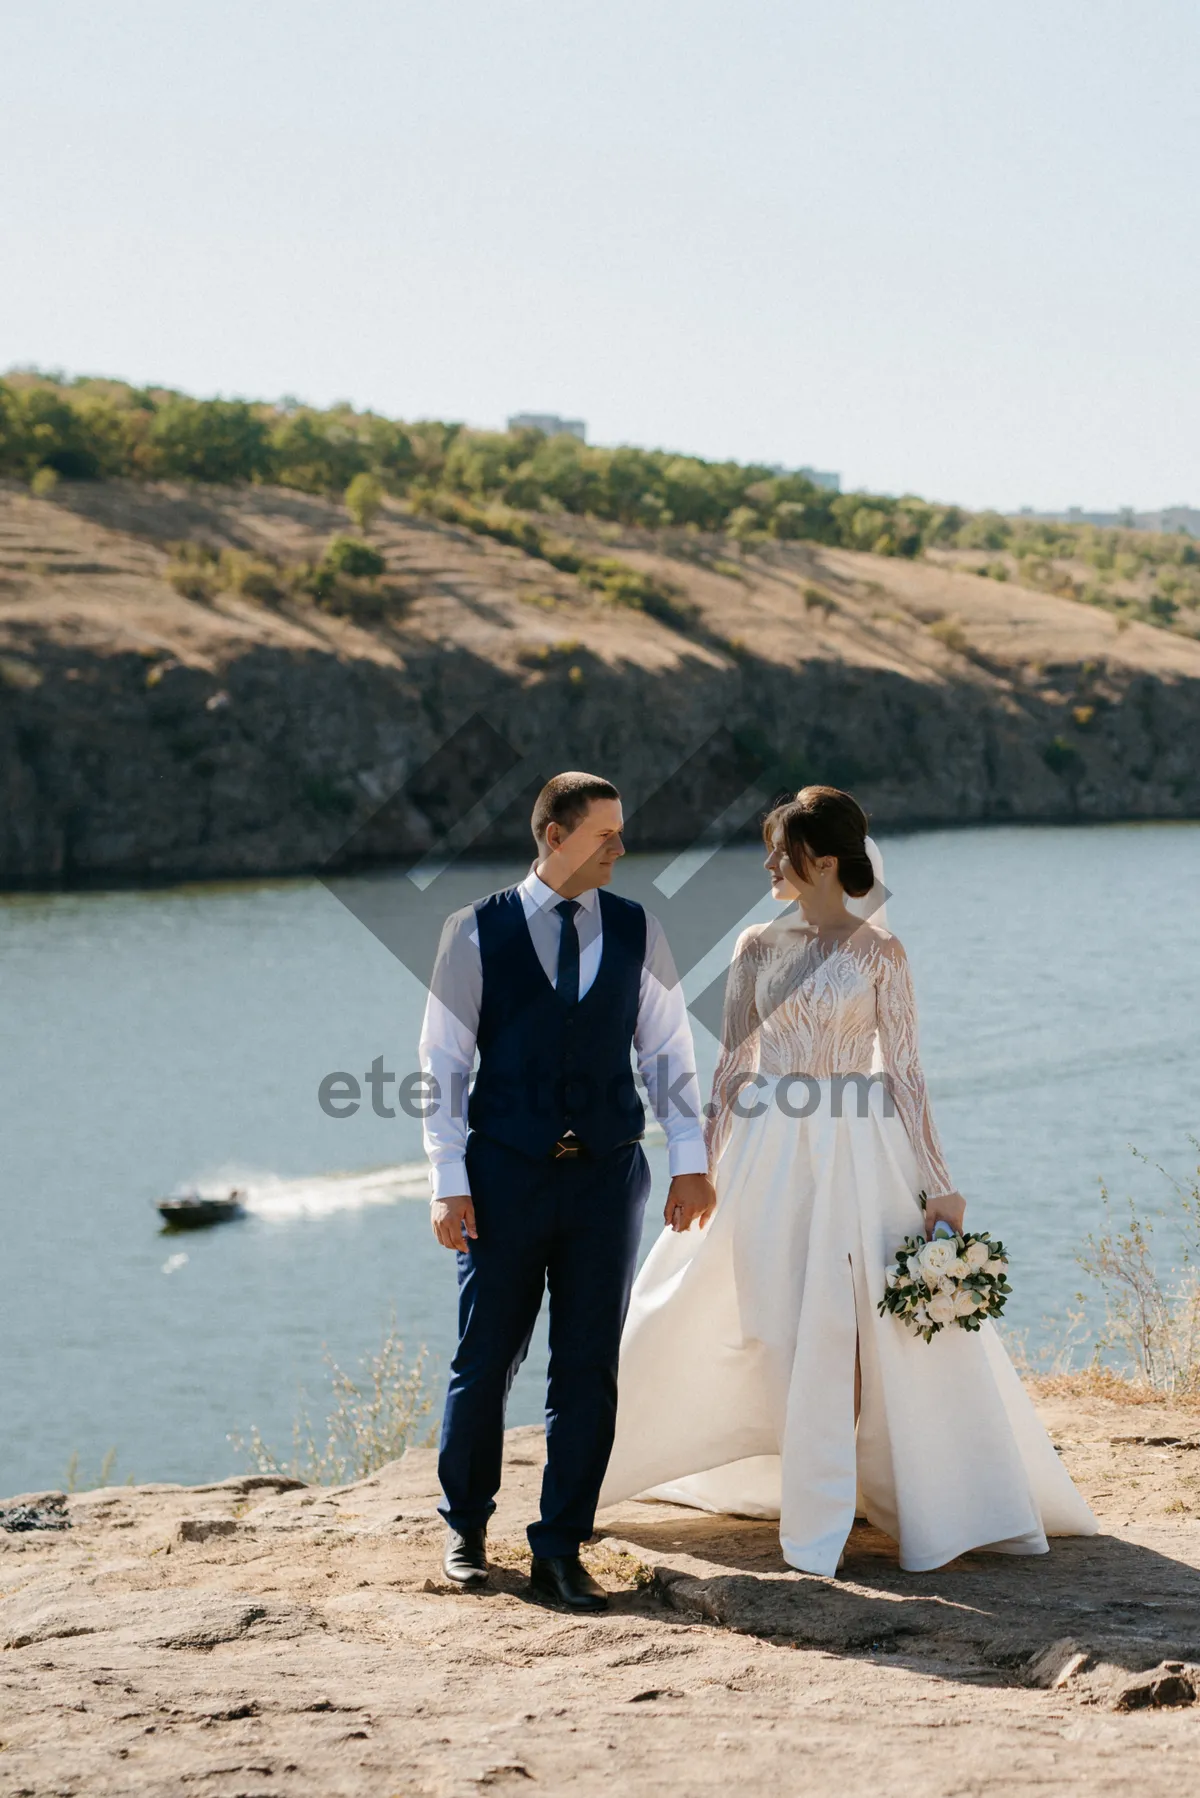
{"x": 1152, "y": 1322}
{"x": 373, "y": 1419}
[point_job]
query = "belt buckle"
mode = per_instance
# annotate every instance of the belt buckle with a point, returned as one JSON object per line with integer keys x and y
{"x": 566, "y": 1151}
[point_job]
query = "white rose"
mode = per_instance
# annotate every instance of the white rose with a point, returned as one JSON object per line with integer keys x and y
{"x": 996, "y": 1264}
{"x": 920, "y": 1315}
{"x": 965, "y": 1302}
{"x": 936, "y": 1259}
{"x": 958, "y": 1269}
{"x": 978, "y": 1254}
{"x": 891, "y": 1275}
{"x": 941, "y": 1308}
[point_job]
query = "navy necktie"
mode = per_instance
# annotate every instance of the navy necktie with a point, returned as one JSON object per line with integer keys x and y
{"x": 567, "y": 983}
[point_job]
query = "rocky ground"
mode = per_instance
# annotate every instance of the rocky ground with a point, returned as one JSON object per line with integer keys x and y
{"x": 143, "y": 732}
{"x": 254, "y": 1638}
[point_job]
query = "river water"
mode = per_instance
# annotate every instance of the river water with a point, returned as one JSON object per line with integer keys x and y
{"x": 155, "y": 1039}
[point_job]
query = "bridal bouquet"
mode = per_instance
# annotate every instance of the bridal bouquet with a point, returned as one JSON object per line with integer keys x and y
{"x": 947, "y": 1280}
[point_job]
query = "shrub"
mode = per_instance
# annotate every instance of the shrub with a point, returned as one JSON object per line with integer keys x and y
{"x": 364, "y": 601}
{"x": 350, "y": 556}
{"x": 44, "y": 481}
{"x": 949, "y": 631}
{"x": 346, "y": 582}
{"x": 195, "y": 571}
{"x": 253, "y": 577}
{"x": 817, "y": 601}
{"x": 193, "y": 582}
{"x": 618, "y": 584}
{"x": 260, "y": 583}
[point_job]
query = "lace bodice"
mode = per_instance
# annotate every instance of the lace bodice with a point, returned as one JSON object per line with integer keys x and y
{"x": 794, "y": 1005}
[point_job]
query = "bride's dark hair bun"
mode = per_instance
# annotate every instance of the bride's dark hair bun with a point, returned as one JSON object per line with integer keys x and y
{"x": 825, "y": 821}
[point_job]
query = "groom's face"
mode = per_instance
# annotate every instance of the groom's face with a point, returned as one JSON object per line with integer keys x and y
{"x": 586, "y": 857}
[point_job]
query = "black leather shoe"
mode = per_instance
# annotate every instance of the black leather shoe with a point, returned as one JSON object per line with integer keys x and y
{"x": 565, "y": 1581}
{"x": 465, "y": 1559}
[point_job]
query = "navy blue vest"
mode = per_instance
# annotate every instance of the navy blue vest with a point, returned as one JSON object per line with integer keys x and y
{"x": 546, "y": 1067}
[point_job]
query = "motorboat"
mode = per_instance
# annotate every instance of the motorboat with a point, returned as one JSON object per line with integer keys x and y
{"x": 196, "y": 1210}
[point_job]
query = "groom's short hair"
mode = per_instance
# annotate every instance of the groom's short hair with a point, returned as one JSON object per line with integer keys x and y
{"x": 565, "y": 798}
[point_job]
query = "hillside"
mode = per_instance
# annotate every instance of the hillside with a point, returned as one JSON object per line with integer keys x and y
{"x": 146, "y": 732}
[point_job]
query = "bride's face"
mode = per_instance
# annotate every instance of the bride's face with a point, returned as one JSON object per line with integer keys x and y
{"x": 786, "y": 884}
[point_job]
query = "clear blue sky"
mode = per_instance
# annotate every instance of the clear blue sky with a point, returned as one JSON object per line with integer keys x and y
{"x": 948, "y": 246}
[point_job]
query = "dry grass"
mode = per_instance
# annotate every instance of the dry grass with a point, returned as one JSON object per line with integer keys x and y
{"x": 614, "y": 1566}
{"x": 1107, "y": 1383}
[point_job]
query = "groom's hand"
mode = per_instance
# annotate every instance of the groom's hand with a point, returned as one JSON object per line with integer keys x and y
{"x": 690, "y": 1200}
{"x": 453, "y": 1221}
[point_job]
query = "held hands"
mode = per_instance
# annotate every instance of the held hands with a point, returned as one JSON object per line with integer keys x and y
{"x": 949, "y": 1209}
{"x": 690, "y": 1200}
{"x": 453, "y": 1221}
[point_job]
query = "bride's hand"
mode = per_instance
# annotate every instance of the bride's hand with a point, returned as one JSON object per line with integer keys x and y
{"x": 690, "y": 1199}
{"x": 949, "y": 1209}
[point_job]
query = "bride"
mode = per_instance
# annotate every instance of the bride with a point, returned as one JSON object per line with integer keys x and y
{"x": 757, "y": 1376}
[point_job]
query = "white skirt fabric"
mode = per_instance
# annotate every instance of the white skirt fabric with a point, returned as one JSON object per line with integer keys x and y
{"x": 737, "y": 1363}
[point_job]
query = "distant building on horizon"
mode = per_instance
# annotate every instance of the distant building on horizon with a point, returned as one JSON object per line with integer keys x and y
{"x": 1169, "y": 520}
{"x": 820, "y": 477}
{"x": 549, "y": 423}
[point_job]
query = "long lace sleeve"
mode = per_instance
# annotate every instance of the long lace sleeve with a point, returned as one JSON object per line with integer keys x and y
{"x": 739, "y": 1055}
{"x": 896, "y": 1013}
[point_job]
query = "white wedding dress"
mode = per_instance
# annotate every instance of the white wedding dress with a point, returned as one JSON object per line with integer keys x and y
{"x": 738, "y": 1359}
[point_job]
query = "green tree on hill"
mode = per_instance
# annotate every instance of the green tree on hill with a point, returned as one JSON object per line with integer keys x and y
{"x": 364, "y": 496}
{"x": 208, "y": 440}
{"x": 314, "y": 456}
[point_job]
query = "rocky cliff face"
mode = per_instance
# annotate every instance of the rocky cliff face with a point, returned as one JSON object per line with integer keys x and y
{"x": 143, "y": 733}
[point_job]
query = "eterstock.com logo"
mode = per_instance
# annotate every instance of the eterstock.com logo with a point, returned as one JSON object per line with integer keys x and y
{"x": 746, "y": 1093}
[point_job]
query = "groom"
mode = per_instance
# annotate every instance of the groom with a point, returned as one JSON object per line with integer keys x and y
{"x": 552, "y": 983}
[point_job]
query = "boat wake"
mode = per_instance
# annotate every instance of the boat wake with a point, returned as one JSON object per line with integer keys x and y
{"x": 276, "y": 1199}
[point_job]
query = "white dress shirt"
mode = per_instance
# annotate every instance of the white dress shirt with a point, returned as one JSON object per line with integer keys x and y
{"x": 662, "y": 1037}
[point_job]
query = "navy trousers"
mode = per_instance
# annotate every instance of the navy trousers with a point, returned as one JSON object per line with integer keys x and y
{"x": 573, "y": 1227}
